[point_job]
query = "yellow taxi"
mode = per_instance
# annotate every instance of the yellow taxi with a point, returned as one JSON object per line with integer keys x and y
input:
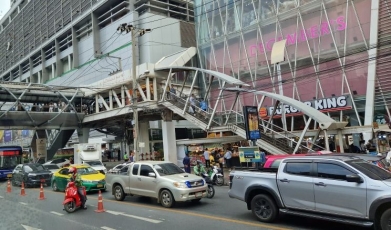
{"x": 92, "y": 179}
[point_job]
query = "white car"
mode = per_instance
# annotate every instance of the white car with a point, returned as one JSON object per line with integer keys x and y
{"x": 51, "y": 167}
{"x": 97, "y": 165}
{"x": 61, "y": 162}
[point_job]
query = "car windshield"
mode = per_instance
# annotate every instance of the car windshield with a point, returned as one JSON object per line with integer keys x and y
{"x": 372, "y": 171}
{"x": 34, "y": 168}
{"x": 94, "y": 163}
{"x": 51, "y": 166}
{"x": 86, "y": 171}
{"x": 168, "y": 169}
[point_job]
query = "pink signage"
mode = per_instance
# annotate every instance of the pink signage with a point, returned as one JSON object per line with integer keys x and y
{"x": 305, "y": 34}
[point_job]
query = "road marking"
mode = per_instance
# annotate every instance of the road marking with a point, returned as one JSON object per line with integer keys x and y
{"x": 57, "y": 213}
{"x": 23, "y": 203}
{"x": 29, "y": 228}
{"x": 135, "y": 217}
{"x": 190, "y": 214}
{"x": 107, "y": 228}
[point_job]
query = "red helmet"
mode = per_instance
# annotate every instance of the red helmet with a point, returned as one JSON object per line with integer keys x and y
{"x": 73, "y": 170}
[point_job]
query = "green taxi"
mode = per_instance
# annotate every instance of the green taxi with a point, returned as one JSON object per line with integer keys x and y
{"x": 92, "y": 179}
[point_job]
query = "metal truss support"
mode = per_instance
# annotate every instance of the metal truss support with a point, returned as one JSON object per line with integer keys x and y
{"x": 215, "y": 107}
{"x": 302, "y": 135}
{"x": 191, "y": 90}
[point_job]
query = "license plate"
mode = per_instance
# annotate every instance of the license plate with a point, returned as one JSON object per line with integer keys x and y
{"x": 9, "y": 175}
{"x": 99, "y": 185}
{"x": 198, "y": 194}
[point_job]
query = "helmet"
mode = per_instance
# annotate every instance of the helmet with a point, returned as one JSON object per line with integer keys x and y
{"x": 72, "y": 170}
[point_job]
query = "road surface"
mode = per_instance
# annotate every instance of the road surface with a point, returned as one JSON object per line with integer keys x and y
{"x": 221, "y": 212}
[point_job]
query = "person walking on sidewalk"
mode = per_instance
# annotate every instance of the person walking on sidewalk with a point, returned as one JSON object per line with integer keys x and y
{"x": 186, "y": 163}
{"x": 207, "y": 159}
{"x": 228, "y": 156}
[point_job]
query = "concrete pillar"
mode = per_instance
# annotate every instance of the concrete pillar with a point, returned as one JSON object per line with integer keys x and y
{"x": 75, "y": 48}
{"x": 169, "y": 142}
{"x": 83, "y": 135}
{"x": 144, "y": 137}
{"x": 53, "y": 71}
{"x": 96, "y": 35}
{"x": 340, "y": 141}
{"x": 39, "y": 80}
{"x": 371, "y": 78}
{"x": 44, "y": 75}
{"x": 59, "y": 66}
{"x": 20, "y": 74}
{"x": 69, "y": 62}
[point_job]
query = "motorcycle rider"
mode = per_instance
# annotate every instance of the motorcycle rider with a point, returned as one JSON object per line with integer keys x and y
{"x": 199, "y": 169}
{"x": 79, "y": 184}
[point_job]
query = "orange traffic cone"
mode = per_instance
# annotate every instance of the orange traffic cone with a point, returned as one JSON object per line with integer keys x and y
{"x": 41, "y": 194}
{"x": 22, "y": 192}
{"x": 100, "y": 203}
{"x": 9, "y": 186}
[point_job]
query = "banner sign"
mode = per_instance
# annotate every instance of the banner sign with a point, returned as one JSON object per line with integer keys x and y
{"x": 251, "y": 121}
{"x": 250, "y": 154}
{"x": 7, "y": 136}
{"x": 41, "y": 148}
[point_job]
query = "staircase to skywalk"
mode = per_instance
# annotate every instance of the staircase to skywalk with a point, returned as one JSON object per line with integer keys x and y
{"x": 201, "y": 119}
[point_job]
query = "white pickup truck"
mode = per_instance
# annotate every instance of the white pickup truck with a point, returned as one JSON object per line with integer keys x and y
{"x": 164, "y": 181}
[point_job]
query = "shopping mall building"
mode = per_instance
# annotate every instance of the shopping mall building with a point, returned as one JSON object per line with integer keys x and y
{"x": 335, "y": 59}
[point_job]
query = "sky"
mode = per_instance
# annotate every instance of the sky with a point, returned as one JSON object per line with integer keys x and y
{"x": 4, "y": 7}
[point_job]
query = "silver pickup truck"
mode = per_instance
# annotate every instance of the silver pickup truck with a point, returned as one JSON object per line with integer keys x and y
{"x": 336, "y": 188}
{"x": 164, "y": 181}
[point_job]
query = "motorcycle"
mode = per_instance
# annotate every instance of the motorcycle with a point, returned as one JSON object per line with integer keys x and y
{"x": 216, "y": 176}
{"x": 209, "y": 182}
{"x": 72, "y": 200}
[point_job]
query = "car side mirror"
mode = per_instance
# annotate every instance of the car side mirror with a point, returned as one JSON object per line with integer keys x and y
{"x": 151, "y": 174}
{"x": 354, "y": 178}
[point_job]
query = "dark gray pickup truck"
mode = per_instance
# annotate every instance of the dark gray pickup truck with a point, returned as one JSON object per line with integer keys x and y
{"x": 337, "y": 188}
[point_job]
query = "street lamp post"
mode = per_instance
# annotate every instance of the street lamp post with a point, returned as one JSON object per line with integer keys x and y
{"x": 135, "y": 33}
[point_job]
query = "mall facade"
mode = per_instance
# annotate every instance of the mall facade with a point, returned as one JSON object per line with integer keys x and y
{"x": 335, "y": 59}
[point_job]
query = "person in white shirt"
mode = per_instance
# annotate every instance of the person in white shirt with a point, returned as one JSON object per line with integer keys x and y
{"x": 228, "y": 156}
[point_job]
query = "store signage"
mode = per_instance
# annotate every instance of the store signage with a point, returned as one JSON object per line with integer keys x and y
{"x": 323, "y": 105}
{"x": 251, "y": 122}
{"x": 315, "y": 31}
{"x": 250, "y": 154}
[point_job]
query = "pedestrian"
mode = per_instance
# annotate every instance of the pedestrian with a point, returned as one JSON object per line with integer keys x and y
{"x": 207, "y": 159}
{"x": 192, "y": 104}
{"x": 126, "y": 157}
{"x": 186, "y": 163}
{"x": 219, "y": 158}
{"x": 227, "y": 157}
{"x": 119, "y": 155}
{"x": 131, "y": 158}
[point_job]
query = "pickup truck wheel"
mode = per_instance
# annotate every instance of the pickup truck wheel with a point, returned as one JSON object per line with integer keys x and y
{"x": 167, "y": 199}
{"x": 263, "y": 208}
{"x": 385, "y": 220}
{"x": 119, "y": 193}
